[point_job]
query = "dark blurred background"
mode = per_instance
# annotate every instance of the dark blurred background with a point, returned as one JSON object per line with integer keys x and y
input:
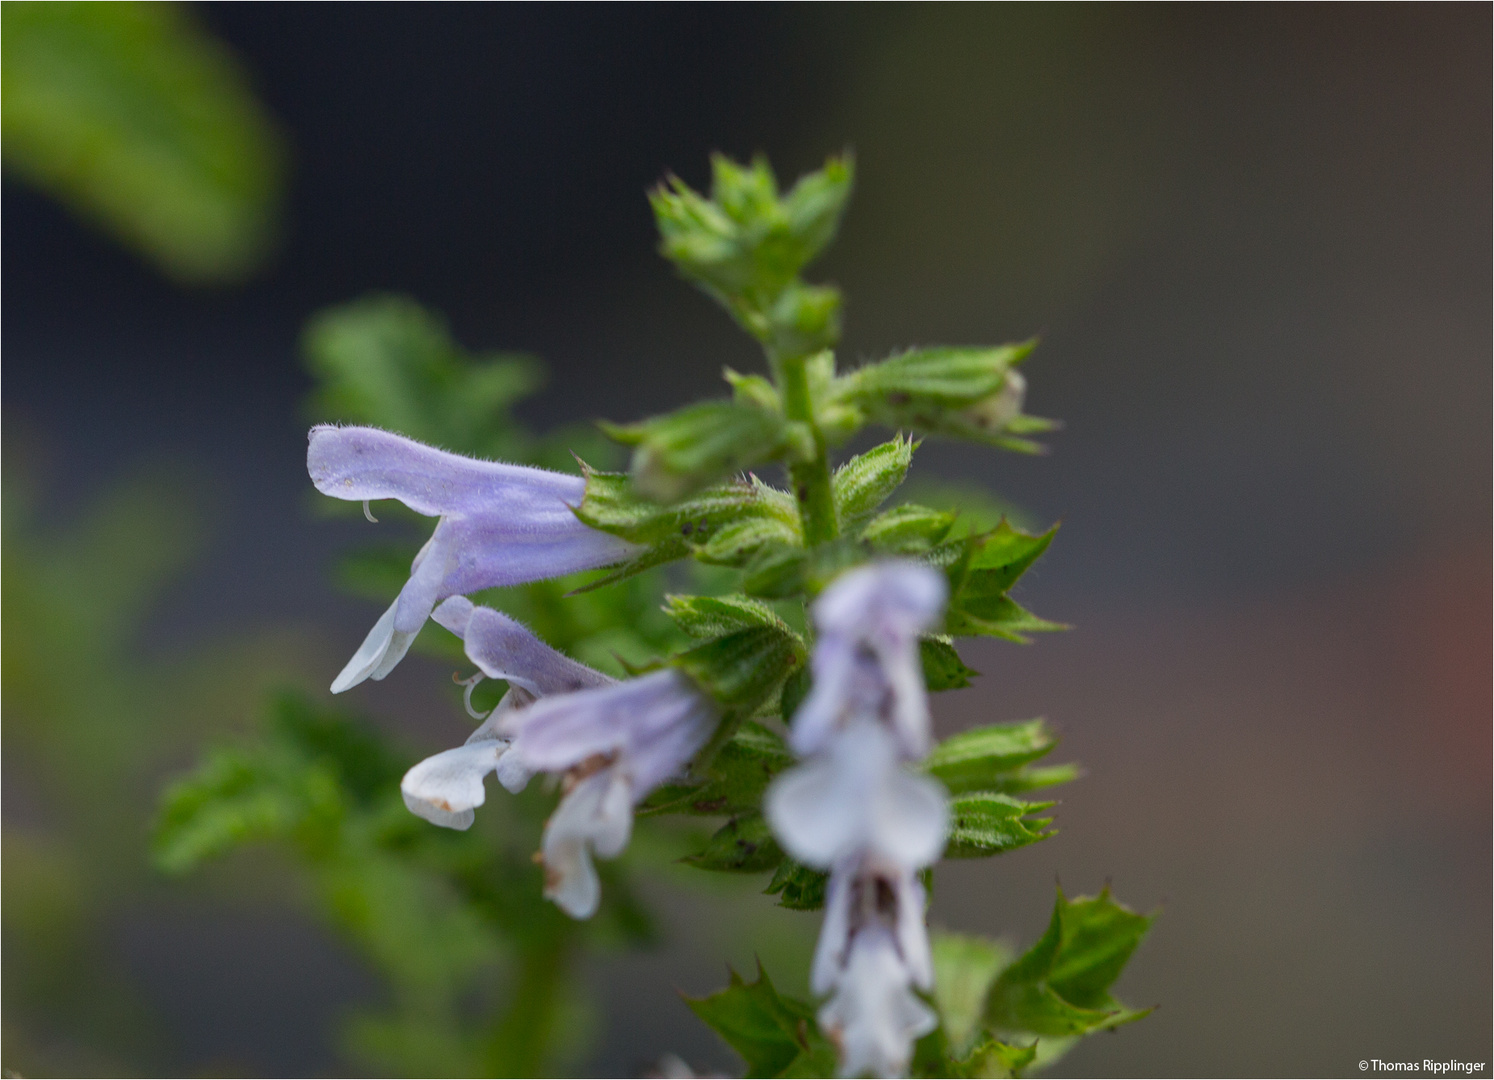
{"x": 1255, "y": 242}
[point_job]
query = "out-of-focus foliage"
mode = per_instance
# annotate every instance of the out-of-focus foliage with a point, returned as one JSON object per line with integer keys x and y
{"x": 92, "y": 718}
{"x": 477, "y": 963}
{"x": 139, "y": 121}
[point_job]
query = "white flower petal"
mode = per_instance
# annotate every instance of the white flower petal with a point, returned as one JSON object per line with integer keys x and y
{"x": 815, "y": 813}
{"x": 909, "y": 819}
{"x": 370, "y": 654}
{"x": 444, "y": 789}
{"x": 596, "y": 814}
{"x": 874, "y": 1016}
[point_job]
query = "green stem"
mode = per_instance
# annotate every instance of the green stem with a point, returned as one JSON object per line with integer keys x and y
{"x": 522, "y": 1040}
{"x": 811, "y": 478}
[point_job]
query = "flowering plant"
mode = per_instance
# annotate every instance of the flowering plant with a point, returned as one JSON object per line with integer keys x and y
{"x": 787, "y": 699}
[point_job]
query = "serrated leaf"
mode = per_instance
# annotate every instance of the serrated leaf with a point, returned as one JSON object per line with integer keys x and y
{"x": 1060, "y": 987}
{"x": 736, "y": 777}
{"x": 942, "y": 667}
{"x": 985, "y": 823}
{"x": 981, "y": 568}
{"x": 683, "y": 451}
{"x": 978, "y": 759}
{"x": 798, "y": 887}
{"x": 743, "y": 844}
{"x": 775, "y": 1035}
{"x": 712, "y": 616}
{"x": 741, "y": 669}
{"x": 908, "y": 529}
{"x": 865, "y": 482}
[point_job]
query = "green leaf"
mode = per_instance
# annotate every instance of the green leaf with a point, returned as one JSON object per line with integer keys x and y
{"x": 741, "y": 670}
{"x": 740, "y": 542}
{"x": 1061, "y": 986}
{"x": 865, "y": 482}
{"x": 804, "y": 319}
{"x": 712, "y": 616}
{"x": 939, "y": 377}
{"x": 144, "y": 124}
{"x": 612, "y": 505}
{"x": 684, "y": 451}
{"x": 965, "y": 966}
{"x": 966, "y": 393}
{"x": 388, "y": 361}
{"x": 942, "y": 667}
{"x": 981, "y": 569}
{"x": 736, "y": 777}
{"x": 978, "y": 759}
{"x": 908, "y": 529}
{"x": 743, "y": 844}
{"x": 798, "y": 887}
{"x": 775, "y": 1035}
{"x": 984, "y": 823}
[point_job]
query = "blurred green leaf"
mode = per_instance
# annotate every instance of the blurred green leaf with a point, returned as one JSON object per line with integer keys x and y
{"x": 908, "y": 529}
{"x": 981, "y": 569}
{"x": 743, "y": 844}
{"x": 798, "y": 887}
{"x": 965, "y": 966}
{"x": 142, "y": 123}
{"x": 985, "y": 823}
{"x": 389, "y": 362}
{"x": 775, "y": 1035}
{"x": 979, "y": 759}
{"x": 942, "y": 667}
{"x": 712, "y": 616}
{"x": 1061, "y": 986}
{"x": 683, "y": 451}
{"x": 741, "y": 670}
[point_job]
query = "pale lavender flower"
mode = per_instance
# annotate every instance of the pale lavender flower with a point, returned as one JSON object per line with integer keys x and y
{"x": 499, "y": 525}
{"x": 854, "y": 808}
{"x": 866, "y": 661}
{"x": 613, "y": 746}
{"x": 873, "y": 952}
{"x": 445, "y": 789}
{"x": 855, "y": 796}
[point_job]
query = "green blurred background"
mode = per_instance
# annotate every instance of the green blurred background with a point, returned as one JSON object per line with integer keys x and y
{"x": 1254, "y": 240}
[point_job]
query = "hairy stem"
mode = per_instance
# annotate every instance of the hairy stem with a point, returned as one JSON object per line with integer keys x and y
{"x": 811, "y": 478}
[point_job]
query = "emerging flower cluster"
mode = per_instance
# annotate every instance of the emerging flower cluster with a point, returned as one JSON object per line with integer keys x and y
{"x": 852, "y": 808}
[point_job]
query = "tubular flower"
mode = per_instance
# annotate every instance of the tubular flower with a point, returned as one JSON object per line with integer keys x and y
{"x": 854, "y": 809}
{"x": 447, "y": 788}
{"x": 612, "y": 745}
{"x": 873, "y": 950}
{"x": 499, "y": 525}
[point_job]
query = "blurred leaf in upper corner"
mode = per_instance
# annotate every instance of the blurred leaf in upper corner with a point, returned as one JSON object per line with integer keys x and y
{"x": 139, "y": 121}
{"x": 388, "y": 361}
